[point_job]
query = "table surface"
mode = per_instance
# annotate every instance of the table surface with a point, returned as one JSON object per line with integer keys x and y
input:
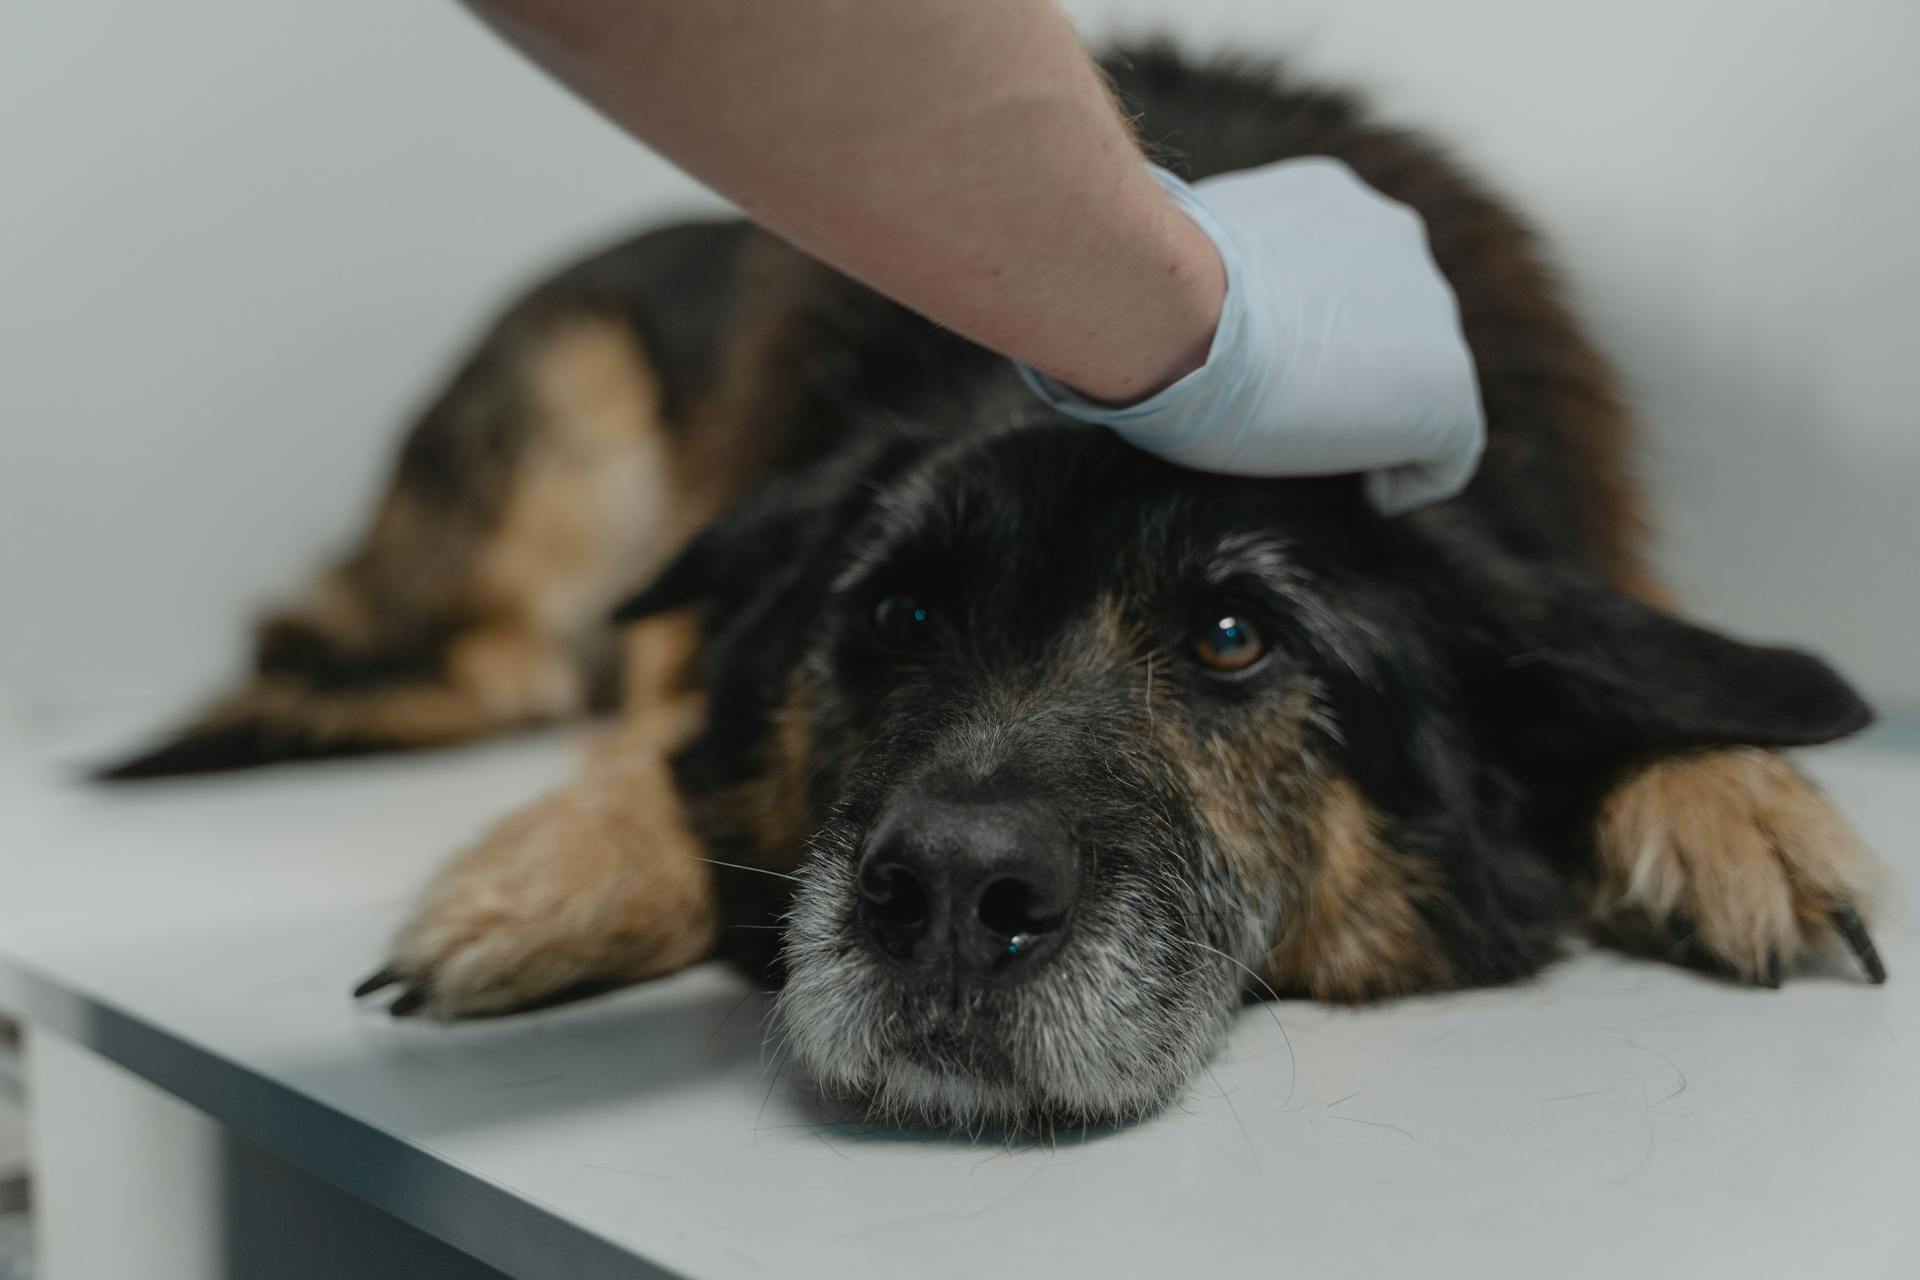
{"x": 1614, "y": 1116}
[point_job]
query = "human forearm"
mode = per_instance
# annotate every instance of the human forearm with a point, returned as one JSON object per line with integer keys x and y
{"x": 960, "y": 156}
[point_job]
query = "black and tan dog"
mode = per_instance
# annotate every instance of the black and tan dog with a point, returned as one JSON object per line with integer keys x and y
{"x": 1054, "y": 750}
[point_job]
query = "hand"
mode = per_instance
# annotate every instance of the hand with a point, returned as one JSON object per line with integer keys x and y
{"x": 1338, "y": 349}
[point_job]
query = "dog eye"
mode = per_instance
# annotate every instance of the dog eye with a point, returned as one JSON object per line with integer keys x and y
{"x": 901, "y": 622}
{"x": 1230, "y": 642}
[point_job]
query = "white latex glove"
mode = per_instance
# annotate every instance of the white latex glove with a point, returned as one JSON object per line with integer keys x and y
{"x": 1338, "y": 349}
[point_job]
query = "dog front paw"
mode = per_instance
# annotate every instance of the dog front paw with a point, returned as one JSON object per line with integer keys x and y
{"x": 1733, "y": 856}
{"x": 595, "y": 886}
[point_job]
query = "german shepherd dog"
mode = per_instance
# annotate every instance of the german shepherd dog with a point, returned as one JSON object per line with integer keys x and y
{"x": 1024, "y": 755}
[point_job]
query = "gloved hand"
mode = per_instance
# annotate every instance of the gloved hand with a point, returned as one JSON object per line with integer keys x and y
{"x": 1338, "y": 349}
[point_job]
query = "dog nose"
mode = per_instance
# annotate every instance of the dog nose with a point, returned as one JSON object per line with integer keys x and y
{"x": 984, "y": 886}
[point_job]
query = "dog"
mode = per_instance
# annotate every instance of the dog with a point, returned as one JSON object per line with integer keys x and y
{"x": 1021, "y": 757}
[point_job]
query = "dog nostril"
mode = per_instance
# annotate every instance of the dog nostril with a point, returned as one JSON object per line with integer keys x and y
{"x": 894, "y": 895}
{"x": 1012, "y": 909}
{"x": 896, "y": 908}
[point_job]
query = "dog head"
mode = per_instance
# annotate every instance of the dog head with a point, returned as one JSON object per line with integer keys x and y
{"x": 1071, "y": 749}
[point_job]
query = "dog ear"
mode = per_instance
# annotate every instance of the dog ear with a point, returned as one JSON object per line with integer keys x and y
{"x": 769, "y": 538}
{"x": 737, "y": 549}
{"x": 1597, "y": 669}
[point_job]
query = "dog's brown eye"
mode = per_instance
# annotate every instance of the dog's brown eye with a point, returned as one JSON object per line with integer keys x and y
{"x": 1231, "y": 642}
{"x": 901, "y": 622}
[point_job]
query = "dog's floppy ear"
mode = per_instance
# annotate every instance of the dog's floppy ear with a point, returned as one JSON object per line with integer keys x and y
{"x": 742, "y": 547}
{"x": 1594, "y": 668}
{"x": 769, "y": 538}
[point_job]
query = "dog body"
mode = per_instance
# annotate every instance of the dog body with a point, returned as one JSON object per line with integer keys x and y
{"x": 1023, "y": 754}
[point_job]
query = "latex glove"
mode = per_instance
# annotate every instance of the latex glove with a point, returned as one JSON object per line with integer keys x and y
{"x": 1339, "y": 345}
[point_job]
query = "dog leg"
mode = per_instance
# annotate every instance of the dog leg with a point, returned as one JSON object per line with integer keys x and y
{"x": 599, "y": 884}
{"x": 1736, "y": 854}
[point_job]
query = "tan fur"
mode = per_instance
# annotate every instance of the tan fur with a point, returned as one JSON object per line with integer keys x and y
{"x": 588, "y": 509}
{"x": 1736, "y": 845}
{"x": 1348, "y": 925}
{"x": 1737, "y": 841}
{"x": 785, "y": 814}
{"x": 600, "y": 882}
{"x": 1355, "y": 931}
{"x": 603, "y": 881}
{"x": 1254, "y": 790}
{"x": 515, "y": 675}
{"x": 419, "y": 714}
{"x": 665, "y": 702}
{"x": 334, "y": 608}
{"x": 590, "y": 501}
{"x": 772, "y": 810}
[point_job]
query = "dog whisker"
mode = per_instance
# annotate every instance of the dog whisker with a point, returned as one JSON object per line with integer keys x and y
{"x": 1293, "y": 1063}
{"x": 738, "y": 1005}
{"x": 779, "y": 1067}
{"x": 741, "y": 866}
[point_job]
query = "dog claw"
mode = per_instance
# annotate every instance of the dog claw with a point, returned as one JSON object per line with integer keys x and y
{"x": 1681, "y": 937}
{"x": 410, "y": 1003}
{"x": 1772, "y": 979}
{"x": 384, "y": 978}
{"x": 1854, "y": 930}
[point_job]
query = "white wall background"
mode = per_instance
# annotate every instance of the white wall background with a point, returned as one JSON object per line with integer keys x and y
{"x": 239, "y": 238}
